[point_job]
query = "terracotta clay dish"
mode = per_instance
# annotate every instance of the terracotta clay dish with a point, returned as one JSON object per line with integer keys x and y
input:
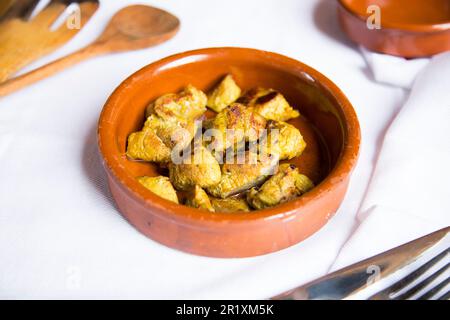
{"x": 328, "y": 124}
{"x": 409, "y": 28}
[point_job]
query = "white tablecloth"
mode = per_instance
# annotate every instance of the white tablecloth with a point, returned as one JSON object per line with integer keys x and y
{"x": 60, "y": 233}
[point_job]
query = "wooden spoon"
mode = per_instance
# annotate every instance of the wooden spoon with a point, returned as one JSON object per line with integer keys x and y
{"x": 134, "y": 27}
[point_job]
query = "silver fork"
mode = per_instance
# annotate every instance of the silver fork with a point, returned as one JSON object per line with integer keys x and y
{"x": 357, "y": 280}
{"x": 412, "y": 287}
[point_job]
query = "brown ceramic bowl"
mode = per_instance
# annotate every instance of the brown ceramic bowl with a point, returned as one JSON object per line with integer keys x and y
{"x": 409, "y": 28}
{"x": 329, "y": 125}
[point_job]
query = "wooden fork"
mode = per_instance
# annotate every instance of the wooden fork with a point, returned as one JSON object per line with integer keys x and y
{"x": 24, "y": 39}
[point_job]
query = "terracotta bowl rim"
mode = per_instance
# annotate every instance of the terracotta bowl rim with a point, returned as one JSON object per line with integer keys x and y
{"x": 410, "y": 27}
{"x": 342, "y": 169}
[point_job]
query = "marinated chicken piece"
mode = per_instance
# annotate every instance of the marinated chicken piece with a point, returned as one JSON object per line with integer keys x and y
{"x": 146, "y": 145}
{"x": 234, "y": 125}
{"x": 250, "y": 96}
{"x": 283, "y": 140}
{"x": 161, "y": 186}
{"x": 242, "y": 175}
{"x": 224, "y": 94}
{"x": 284, "y": 186}
{"x": 197, "y": 198}
{"x": 230, "y": 205}
{"x": 172, "y": 132}
{"x": 201, "y": 168}
{"x": 303, "y": 183}
{"x": 158, "y": 137}
{"x": 270, "y": 104}
{"x": 185, "y": 106}
{"x": 274, "y": 106}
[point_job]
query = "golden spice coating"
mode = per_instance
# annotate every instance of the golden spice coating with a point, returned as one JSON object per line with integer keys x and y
{"x": 158, "y": 137}
{"x": 187, "y": 105}
{"x": 224, "y": 94}
{"x": 270, "y": 104}
{"x": 284, "y": 186}
{"x": 283, "y": 140}
{"x": 197, "y": 198}
{"x": 172, "y": 132}
{"x": 201, "y": 169}
{"x": 274, "y": 106}
{"x": 161, "y": 186}
{"x": 146, "y": 145}
{"x": 238, "y": 177}
{"x": 303, "y": 183}
{"x": 247, "y": 181}
{"x": 230, "y": 205}
{"x": 235, "y": 124}
{"x": 250, "y": 96}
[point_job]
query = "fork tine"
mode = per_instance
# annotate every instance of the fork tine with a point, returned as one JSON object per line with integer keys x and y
{"x": 87, "y": 8}
{"x": 446, "y": 296}
{"x": 21, "y": 9}
{"x": 56, "y": 8}
{"x": 431, "y": 293}
{"x": 49, "y": 14}
{"x": 389, "y": 292}
{"x": 423, "y": 284}
{"x": 67, "y": 2}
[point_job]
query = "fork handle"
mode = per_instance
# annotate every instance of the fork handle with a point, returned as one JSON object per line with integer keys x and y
{"x": 48, "y": 70}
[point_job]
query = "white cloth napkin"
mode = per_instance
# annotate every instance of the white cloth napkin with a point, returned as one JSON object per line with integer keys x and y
{"x": 391, "y": 70}
{"x": 409, "y": 193}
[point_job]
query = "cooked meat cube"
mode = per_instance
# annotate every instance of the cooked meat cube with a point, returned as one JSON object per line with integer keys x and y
{"x": 146, "y": 145}
{"x": 282, "y": 139}
{"x": 172, "y": 132}
{"x": 233, "y": 125}
{"x": 197, "y": 198}
{"x": 187, "y": 105}
{"x": 230, "y": 205}
{"x": 270, "y": 104}
{"x": 237, "y": 177}
{"x": 161, "y": 186}
{"x": 303, "y": 183}
{"x": 250, "y": 96}
{"x": 158, "y": 137}
{"x": 201, "y": 169}
{"x": 274, "y": 106}
{"x": 224, "y": 94}
{"x": 284, "y": 186}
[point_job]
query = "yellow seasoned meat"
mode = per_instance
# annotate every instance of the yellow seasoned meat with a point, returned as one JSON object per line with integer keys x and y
{"x": 303, "y": 183}
{"x": 270, "y": 104}
{"x": 201, "y": 169}
{"x": 197, "y": 198}
{"x": 242, "y": 175}
{"x": 283, "y": 140}
{"x": 230, "y": 205}
{"x": 161, "y": 186}
{"x": 284, "y": 186}
{"x": 146, "y": 145}
{"x": 187, "y": 105}
{"x": 234, "y": 125}
{"x": 158, "y": 137}
{"x": 172, "y": 132}
{"x": 224, "y": 94}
